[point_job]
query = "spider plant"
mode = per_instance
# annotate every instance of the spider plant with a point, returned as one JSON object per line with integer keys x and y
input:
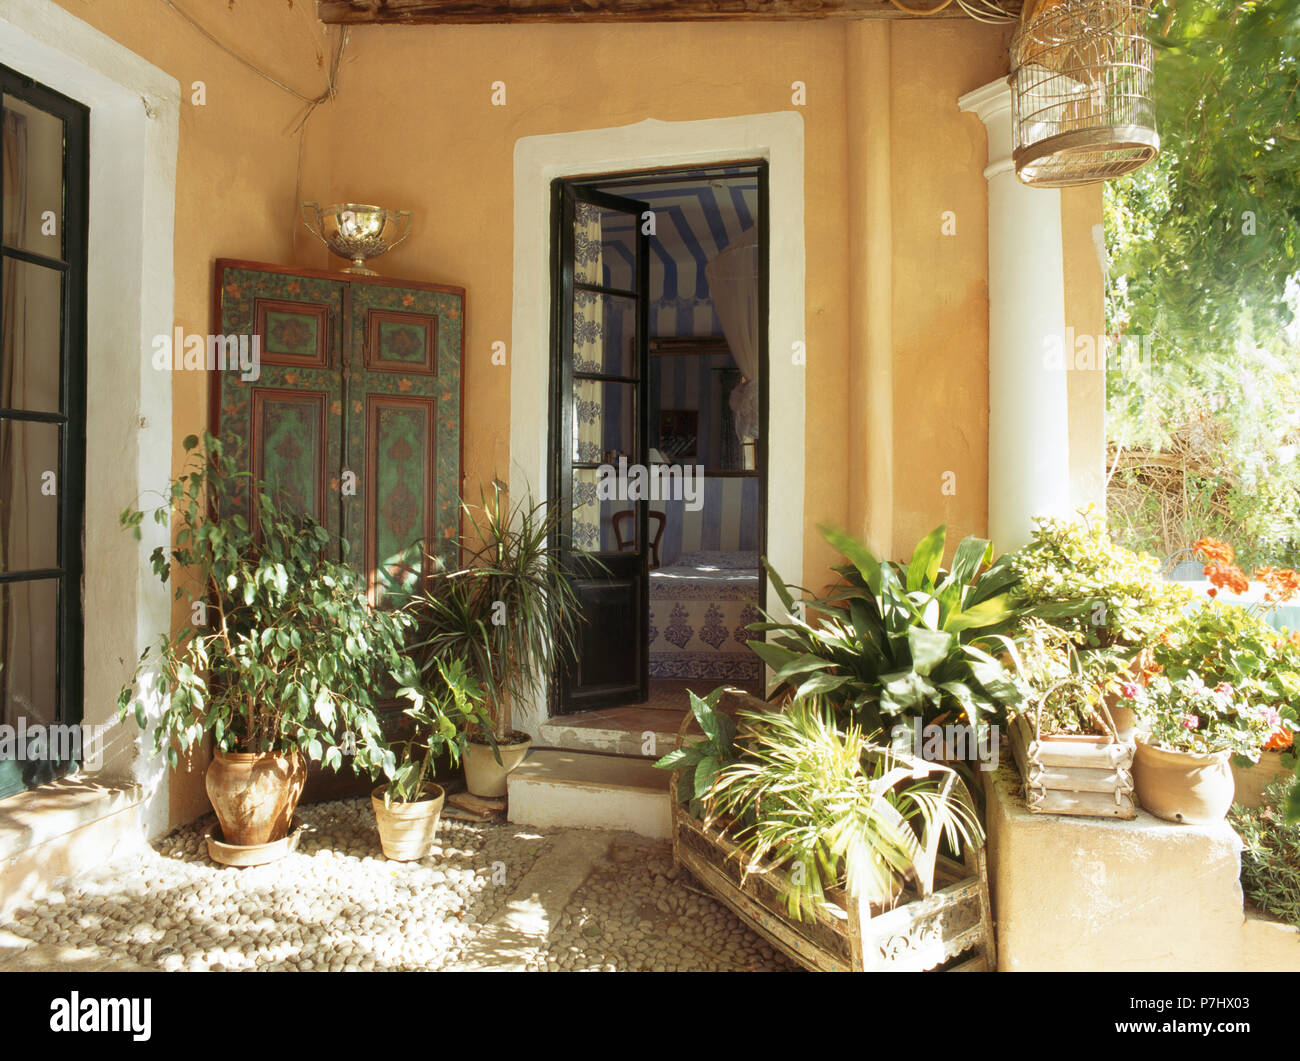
{"x": 833, "y": 808}
{"x": 509, "y": 613}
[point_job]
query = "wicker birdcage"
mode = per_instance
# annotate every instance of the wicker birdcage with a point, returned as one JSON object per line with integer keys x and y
{"x": 1081, "y": 78}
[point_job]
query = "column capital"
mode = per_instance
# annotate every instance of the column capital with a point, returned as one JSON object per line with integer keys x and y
{"x": 991, "y": 103}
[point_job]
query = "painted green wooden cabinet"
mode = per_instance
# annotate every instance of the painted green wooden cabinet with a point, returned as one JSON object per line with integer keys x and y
{"x": 353, "y": 409}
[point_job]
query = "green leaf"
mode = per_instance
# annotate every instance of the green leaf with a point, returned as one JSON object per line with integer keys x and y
{"x": 971, "y": 555}
{"x": 929, "y": 648}
{"x": 923, "y": 568}
{"x": 866, "y": 562}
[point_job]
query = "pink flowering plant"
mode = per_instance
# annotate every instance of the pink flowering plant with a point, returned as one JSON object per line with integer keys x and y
{"x": 1187, "y": 715}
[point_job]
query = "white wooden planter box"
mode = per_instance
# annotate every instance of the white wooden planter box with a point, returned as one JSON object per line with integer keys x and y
{"x": 1090, "y": 776}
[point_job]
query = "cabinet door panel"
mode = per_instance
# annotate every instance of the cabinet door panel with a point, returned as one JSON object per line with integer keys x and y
{"x": 285, "y": 426}
{"x": 403, "y": 360}
{"x": 401, "y": 448}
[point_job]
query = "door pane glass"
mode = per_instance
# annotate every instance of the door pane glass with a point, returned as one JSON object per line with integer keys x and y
{"x": 604, "y": 334}
{"x": 599, "y": 499}
{"x": 604, "y": 422}
{"x": 33, "y": 178}
{"x": 29, "y": 503}
{"x": 28, "y": 651}
{"x": 604, "y": 247}
{"x": 31, "y": 297}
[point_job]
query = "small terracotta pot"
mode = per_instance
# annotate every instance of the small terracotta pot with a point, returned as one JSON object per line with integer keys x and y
{"x": 1125, "y": 719}
{"x": 407, "y": 830}
{"x": 1183, "y": 786}
{"x": 484, "y": 776}
{"x": 255, "y": 794}
{"x": 1250, "y": 781}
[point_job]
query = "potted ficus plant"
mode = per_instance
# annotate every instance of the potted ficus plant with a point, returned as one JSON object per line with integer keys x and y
{"x": 510, "y": 614}
{"x": 408, "y": 808}
{"x": 281, "y": 662}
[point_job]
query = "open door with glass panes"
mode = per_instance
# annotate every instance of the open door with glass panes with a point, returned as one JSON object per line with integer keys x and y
{"x": 599, "y": 427}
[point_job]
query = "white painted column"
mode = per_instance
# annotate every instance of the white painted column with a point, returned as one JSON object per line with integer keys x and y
{"x": 1029, "y": 433}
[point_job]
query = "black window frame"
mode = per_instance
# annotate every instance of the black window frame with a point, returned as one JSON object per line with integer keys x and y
{"x": 19, "y": 775}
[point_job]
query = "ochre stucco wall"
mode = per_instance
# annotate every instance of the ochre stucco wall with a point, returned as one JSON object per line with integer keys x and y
{"x": 413, "y": 126}
{"x": 234, "y": 176}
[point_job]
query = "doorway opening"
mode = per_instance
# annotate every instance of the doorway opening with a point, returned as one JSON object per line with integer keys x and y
{"x": 658, "y": 440}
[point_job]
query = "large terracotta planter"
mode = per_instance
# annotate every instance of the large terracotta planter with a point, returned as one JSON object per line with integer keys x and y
{"x": 484, "y": 776}
{"x": 1183, "y": 786}
{"x": 407, "y": 830}
{"x": 255, "y": 794}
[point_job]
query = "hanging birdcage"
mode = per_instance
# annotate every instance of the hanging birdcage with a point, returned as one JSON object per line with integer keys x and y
{"x": 1081, "y": 73}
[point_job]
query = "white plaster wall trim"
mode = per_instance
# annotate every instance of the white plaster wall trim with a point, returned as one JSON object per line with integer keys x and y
{"x": 1029, "y": 432}
{"x": 777, "y": 137}
{"x": 134, "y": 126}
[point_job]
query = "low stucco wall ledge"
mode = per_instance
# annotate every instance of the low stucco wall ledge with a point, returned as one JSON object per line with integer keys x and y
{"x": 1073, "y": 893}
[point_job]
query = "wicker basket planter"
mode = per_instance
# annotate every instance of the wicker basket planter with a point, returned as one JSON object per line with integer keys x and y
{"x": 1090, "y": 776}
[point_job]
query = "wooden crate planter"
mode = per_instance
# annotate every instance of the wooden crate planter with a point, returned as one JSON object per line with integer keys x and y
{"x": 921, "y": 933}
{"x": 1066, "y": 774}
{"x": 952, "y": 926}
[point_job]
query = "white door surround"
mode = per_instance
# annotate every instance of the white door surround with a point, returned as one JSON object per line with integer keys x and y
{"x": 648, "y": 145}
{"x": 134, "y": 124}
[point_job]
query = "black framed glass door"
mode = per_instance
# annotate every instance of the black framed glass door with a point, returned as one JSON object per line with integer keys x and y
{"x": 43, "y": 206}
{"x": 600, "y": 437}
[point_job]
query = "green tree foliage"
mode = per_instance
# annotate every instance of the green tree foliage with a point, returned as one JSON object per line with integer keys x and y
{"x": 1204, "y": 251}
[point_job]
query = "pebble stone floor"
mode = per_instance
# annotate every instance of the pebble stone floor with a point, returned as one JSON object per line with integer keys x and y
{"x": 337, "y": 904}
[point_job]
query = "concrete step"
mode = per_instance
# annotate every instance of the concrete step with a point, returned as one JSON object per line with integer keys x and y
{"x": 650, "y": 740}
{"x": 589, "y": 790}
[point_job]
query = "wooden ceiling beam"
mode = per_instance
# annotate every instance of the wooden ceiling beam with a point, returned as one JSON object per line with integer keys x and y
{"x": 435, "y": 12}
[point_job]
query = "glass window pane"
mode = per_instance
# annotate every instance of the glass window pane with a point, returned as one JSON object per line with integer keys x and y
{"x": 28, "y": 652}
{"x": 32, "y": 157}
{"x": 605, "y": 246}
{"x": 604, "y": 334}
{"x": 604, "y": 422}
{"x": 31, "y": 298}
{"x": 597, "y": 505}
{"x": 29, "y": 502}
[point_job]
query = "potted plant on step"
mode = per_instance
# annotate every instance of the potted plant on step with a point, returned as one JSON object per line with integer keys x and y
{"x": 279, "y": 662}
{"x": 511, "y": 614}
{"x": 408, "y": 807}
{"x": 1189, "y": 730}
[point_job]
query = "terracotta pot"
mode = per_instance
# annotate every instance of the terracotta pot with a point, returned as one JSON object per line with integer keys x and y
{"x": 1183, "y": 786}
{"x": 255, "y": 794}
{"x": 1250, "y": 781}
{"x": 1125, "y": 719}
{"x": 407, "y": 830}
{"x": 484, "y": 776}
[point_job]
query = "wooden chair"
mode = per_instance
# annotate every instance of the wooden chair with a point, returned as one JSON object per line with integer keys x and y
{"x": 620, "y": 521}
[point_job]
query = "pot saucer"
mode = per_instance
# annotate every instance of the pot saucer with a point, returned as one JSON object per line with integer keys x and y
{"x": 253, "y": 854}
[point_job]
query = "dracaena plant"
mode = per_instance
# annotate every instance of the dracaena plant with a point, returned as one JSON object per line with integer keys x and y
{"x": 285, "y": 653}
{"x": 509, "y": 612}
{"x": 896, "y": 641}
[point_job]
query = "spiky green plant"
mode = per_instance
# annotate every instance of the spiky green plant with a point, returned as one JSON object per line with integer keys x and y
{"x": 830, "y": 807}
{"x": 510, "y": 612}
